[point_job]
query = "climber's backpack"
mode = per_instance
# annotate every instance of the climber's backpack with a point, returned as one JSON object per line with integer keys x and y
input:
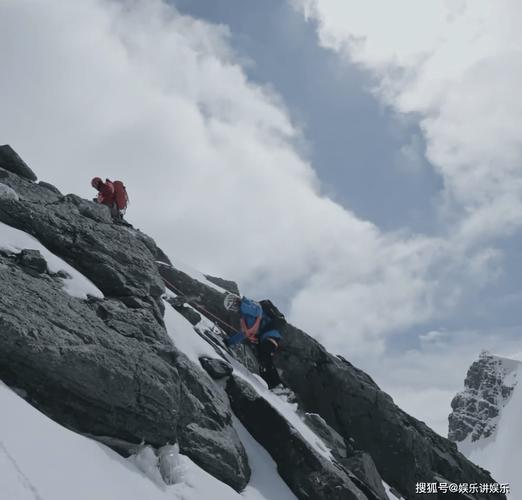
{"x": 277, "y": 318}
{"x": 121, "y": 198}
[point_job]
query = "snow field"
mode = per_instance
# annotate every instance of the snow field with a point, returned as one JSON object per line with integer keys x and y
{"x": 41, "y": 460}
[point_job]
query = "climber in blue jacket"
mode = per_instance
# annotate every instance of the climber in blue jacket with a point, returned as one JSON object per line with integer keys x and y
{"x": 257, "y": 327}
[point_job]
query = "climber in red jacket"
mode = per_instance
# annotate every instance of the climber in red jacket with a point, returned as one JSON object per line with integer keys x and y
{"x": 112, "y": 194}
{"x": 105, "y": 194}
{"x": 105, "y": 191}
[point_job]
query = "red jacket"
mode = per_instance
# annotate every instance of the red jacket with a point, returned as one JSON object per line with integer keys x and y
{"x": 106, "y": 193}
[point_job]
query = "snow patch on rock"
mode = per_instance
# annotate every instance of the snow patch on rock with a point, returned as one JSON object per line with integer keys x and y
{"x": 77, "y": 285}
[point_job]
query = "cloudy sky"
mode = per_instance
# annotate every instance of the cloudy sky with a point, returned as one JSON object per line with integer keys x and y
{"x": 360, "y": 163}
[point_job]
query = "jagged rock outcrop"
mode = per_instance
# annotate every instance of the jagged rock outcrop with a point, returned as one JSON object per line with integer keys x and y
{"x": 488, "y": 387}
{"x": 230, "y": 286}
{"x": 405, "y": 450}
{"x": 9, "y": 160}
{"x": 103, "y": 366}
{"x": 304, "y": 469}
{"x": 216, "y": 368}
{"x": 120, "y": 262}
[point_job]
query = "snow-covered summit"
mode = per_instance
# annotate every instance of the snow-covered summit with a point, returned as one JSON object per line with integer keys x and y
{"x": 489, "y": 385}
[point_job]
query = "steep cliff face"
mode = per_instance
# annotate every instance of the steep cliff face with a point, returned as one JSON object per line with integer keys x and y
{"x": 488, "y": 386}
{"x": 90, "y": 336}
{"x": 485, "y": 421}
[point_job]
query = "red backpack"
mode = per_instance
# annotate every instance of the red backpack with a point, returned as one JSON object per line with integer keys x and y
{"x": 121, "y": 198}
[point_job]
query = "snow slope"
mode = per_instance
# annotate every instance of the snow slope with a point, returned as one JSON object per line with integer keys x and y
{"x": 41, "y": 460}
{"x": 182, "y": 334}
{"x": 14, "y": 240}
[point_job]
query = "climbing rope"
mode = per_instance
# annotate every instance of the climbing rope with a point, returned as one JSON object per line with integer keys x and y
{"x": 197, "y": 306}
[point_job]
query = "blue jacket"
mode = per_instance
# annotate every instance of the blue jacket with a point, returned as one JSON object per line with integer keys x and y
{"x": 250, "y": 310}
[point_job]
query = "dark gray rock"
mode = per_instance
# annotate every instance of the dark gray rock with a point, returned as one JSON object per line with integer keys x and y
{"x": 228, "y": 285}
{"x": 330, "y": 436}
{"x": 206, "y": 434}
{"x": 104, "y": 366}
{"x": 199, "y": 293}
{"x": 359, "y": 463}
{"x": 50, "y": 186}
{"x": 307, "y": 473}
{"x": 79, "y": 370}
{"x": 27, "y": 190}
{"x": 404, "y": 450}
{"x": 114, "y": 258}
{"x": 216, "y": 368}
{"x": 99, "y": 367}
{"x": 363, "y": 466}
{"x": 32, "y": 259}
{"x": 9, "y": 160}
{"x": 124, "y": 448}
{"x": 180, "y": 304}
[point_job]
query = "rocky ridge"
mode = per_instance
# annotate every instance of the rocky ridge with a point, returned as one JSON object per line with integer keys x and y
{"x": 106, "y": 366}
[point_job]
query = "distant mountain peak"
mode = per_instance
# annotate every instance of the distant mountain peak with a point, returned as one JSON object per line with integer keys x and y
{"x": 488, "y": 387}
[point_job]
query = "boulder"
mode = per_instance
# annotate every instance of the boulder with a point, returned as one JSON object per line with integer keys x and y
{"x": 216, "y": 368}
{"x": 9, "y": 160}
{"x": 180, "y": 305}
{"x": 32, "y": 259}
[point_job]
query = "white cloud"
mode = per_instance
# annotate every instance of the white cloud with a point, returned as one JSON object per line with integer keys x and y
{"x": 134, "y": 90}
{"x": 456, "y": 64}
{"x": 424, "y": 380}
{"x": 433, "y": 336}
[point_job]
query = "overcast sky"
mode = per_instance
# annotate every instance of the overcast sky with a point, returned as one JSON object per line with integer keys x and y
{"x": 359, "y": 162}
